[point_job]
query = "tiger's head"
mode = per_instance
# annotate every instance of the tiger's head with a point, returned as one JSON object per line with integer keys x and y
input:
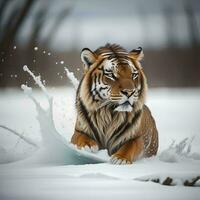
{"x": 113, "y": 76}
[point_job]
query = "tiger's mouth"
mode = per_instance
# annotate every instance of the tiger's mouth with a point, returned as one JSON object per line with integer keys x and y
{"x": 124, "y": 107}
{"x": 119, "y": 106}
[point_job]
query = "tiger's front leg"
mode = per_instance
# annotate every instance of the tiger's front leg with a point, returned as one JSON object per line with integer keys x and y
{"x": 83, "y": 141}
{"x": 128, "y": 152}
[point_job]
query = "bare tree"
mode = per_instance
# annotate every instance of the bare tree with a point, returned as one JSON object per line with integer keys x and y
{"x": 14, "y": 23}
{"x": 170, "y": 25}
{"x": 2, "y": 8}
{"x": 192, "y": 22}
{"x": 57, "y": 22}
{"x": 38, "y": 22}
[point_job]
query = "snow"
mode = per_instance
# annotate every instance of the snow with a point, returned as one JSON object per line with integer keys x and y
{"x": 55, "y": 170}
{"x": 178, "y": 178}
{"x": 35, "y": 48}
{"x": 37, "y": 80}
{"x": 73, "y": 79}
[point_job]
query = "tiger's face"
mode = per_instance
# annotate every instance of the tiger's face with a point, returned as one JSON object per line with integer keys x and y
{"x": 115, "y": 77}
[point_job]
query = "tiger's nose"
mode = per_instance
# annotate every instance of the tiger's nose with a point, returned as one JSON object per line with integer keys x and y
{"x": 126, "y": 92}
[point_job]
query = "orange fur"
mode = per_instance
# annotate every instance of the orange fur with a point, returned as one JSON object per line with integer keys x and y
{"x": 130, "y": 151}
{"x": 82, "y": 140}
{"x": 126, "y": 133}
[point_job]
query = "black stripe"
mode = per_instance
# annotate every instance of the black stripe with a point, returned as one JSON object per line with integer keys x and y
{"x": 122, "y": 143}
{"x": 82, "y": 132}
{"x": 113, "y": 55}
{"x": 122, "y": 129}
{"x": 99, "y": 96}
{"x": 119, "y": 129}
{"x": 97, "y": 92}
{"x": 87, "y": 61}
{"x": 142, "y": 84}
{"x": 95, "y": 81}
{"x": 93, "y": 128}
{"x": 108, "y": 70}
{"x": 90, "y": 77}
{"x": 103, "y": 88}
{"x": 99, "y": 78}
{"x": 93, "y": 92}
{"x": 134, "y": 120}
{"x": 78, "y": 90}
{"x": 79, "y": 86}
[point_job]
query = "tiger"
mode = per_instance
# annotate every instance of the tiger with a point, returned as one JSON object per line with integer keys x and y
{"x": 110, "y": 105}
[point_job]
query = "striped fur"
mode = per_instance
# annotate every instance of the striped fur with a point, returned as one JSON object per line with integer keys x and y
{"x": 110, "y": 102}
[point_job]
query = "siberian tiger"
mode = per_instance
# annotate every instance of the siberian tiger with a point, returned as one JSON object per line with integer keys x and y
{"x": 111, "y": 113}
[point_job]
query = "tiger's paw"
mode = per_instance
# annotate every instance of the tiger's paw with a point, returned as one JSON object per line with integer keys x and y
{"x": 83, "y": 142}
{"x": 93, "y": 149}
{"x": 119, "y": 160}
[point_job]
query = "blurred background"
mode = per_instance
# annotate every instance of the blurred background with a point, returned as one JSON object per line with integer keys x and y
{"x": 48, "y": 35}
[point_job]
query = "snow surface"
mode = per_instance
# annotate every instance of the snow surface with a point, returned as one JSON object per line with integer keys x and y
{"x": 177, "y": 113}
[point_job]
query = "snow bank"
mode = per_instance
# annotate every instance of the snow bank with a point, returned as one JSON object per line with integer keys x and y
{"x": 179, "y": 151}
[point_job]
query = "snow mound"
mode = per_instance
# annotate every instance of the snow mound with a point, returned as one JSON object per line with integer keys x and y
{"x": 98, "y": 176}
{"x": 179, "y": 151}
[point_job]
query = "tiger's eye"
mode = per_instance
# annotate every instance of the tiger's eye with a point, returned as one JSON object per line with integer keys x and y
{"x": 134, "y": 75}
{"x": 110, "y": 76}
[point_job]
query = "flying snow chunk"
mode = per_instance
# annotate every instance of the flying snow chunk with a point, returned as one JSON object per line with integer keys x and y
{"x": 35, "y": 48}
{"x": 49, "y": 54}
{"x": 72, "y": 78}
{"x": 25, "y": 68}
{"x": 14, "y": 47}
{"x": 27, "y": 90}
{"x": 62, "y": 62}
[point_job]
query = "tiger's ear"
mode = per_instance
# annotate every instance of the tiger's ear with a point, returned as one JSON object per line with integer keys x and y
{"x": 88, "y": 57}
{"x": 137, "y": 54}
